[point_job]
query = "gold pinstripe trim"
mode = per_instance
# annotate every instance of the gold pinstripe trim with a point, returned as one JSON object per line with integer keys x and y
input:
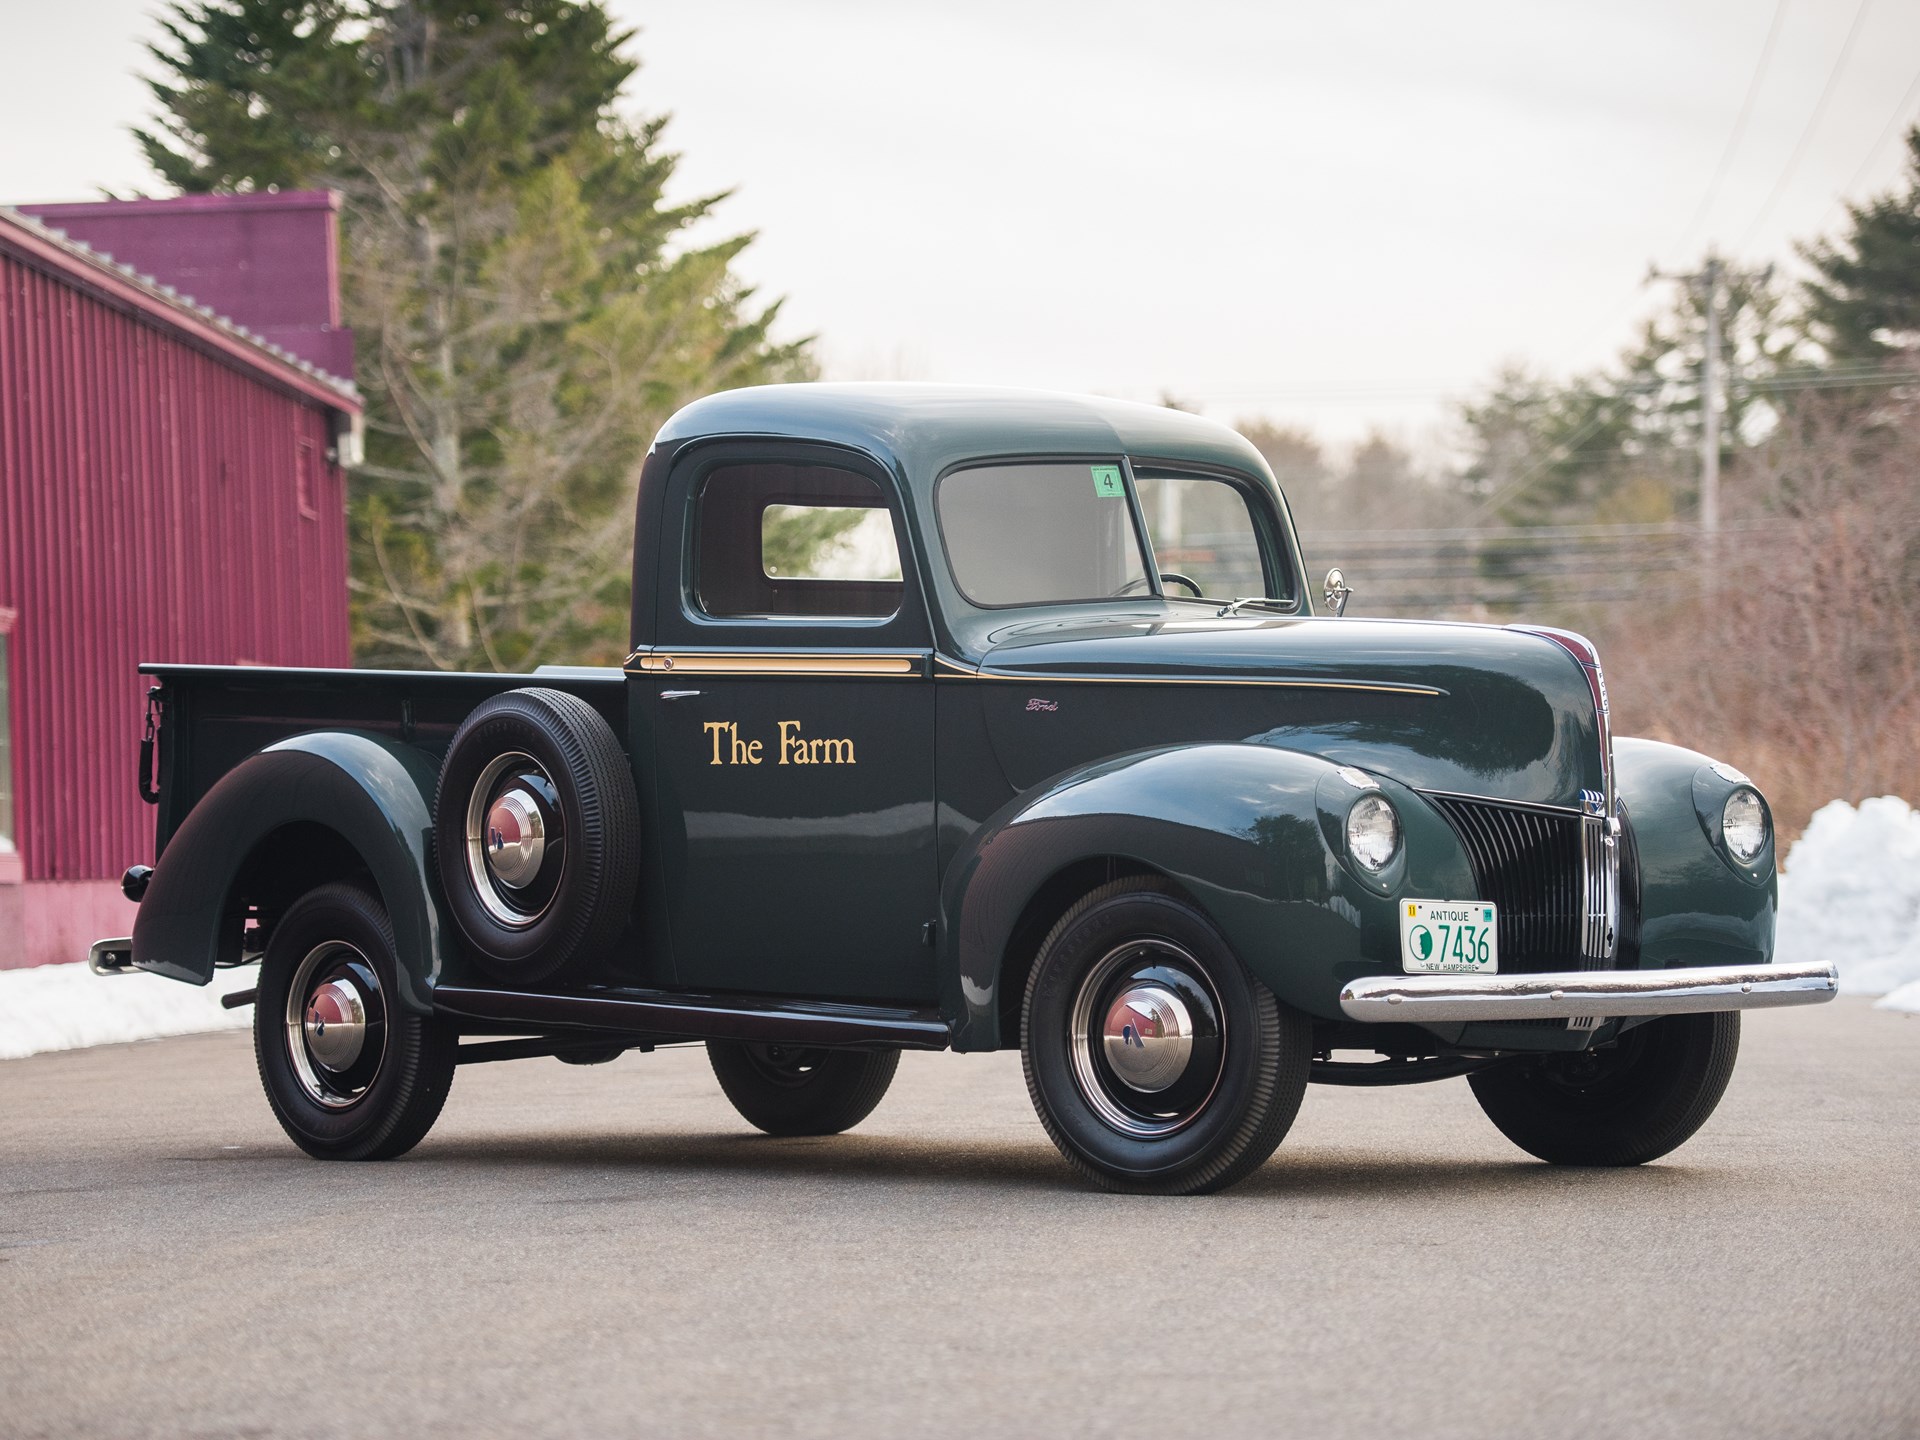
{"x": 960, "y": 670}
{"x": 682, "y": 662}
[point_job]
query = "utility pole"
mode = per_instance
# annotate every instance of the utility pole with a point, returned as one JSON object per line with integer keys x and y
{"x": 1707, "y": 282}
{"x": 1710, "y": 407}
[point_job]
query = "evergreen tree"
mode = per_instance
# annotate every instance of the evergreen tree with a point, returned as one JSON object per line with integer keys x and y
{"x": 526, "y": 316}
{"x": 1864, "y": 304}
{"x": 1622, "y": 445}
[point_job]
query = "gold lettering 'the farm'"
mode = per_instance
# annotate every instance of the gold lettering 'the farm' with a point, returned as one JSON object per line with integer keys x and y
{"x": 747, "y": 753}
{"x": 812, "y": 752}
{"x": 795, "y": 748}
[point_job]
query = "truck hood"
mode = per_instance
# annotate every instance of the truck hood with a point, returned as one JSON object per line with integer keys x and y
{"x": 1473, "y": 709}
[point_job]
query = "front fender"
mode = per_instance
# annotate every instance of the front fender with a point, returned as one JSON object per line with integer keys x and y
{"x": 1255, "y": 834}
{"x": 1698, "y": 905}
{"x": 376, "y": 794}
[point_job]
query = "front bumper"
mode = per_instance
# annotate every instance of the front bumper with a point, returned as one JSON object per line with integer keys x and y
{"x": 1601, "y": 994}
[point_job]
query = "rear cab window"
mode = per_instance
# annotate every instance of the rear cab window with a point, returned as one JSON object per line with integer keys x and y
{"x": 776, "y": 541}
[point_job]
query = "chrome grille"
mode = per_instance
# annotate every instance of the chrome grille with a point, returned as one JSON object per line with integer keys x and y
{"x": 1554, "y": 874}
{"x": 1600, "y": 874}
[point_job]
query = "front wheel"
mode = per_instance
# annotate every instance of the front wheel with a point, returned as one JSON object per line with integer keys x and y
{"x": 1625, "y": 1104}
{"x": 1157, "y": 1063}
{"x": 351, "y": 1074}
{"x": 801, "y": 1090}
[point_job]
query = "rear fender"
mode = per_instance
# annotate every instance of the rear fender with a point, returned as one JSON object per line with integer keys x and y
{"x": 1254, "y": 834}
{"x": 375, "y": 794}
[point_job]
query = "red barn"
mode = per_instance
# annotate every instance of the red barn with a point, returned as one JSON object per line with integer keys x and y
{"x": 170, "y": 489}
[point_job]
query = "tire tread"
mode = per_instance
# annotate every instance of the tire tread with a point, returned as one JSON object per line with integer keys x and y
{"x": 843, "y": 1091}
{"x": 1699, "y": 1051}
{"x": 422, "y": 1047}
{"x": 1283, "y": 1034}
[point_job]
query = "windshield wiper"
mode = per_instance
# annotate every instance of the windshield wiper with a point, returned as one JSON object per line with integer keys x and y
{"x": 1233, "y": 606}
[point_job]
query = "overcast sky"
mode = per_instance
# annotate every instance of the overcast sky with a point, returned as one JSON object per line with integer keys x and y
{"x": 1333, "y": 215}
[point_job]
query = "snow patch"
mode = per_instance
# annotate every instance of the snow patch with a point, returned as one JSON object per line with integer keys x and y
{"x": 64, "y": 1007}
{"x": 1850, "y": 893}
{"x": 1907, "y": 997}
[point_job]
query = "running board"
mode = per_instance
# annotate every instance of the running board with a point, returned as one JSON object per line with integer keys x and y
{"x": 668, "y": 1013}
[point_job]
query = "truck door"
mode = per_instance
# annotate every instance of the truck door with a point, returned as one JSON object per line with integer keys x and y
{"x": 791, "y": 703}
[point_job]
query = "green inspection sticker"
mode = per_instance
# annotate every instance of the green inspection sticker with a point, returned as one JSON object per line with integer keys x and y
{"x": 1106, "y": 482}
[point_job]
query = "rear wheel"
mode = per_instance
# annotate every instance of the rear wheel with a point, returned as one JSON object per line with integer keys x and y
{"x": 798, "y": 1090}
{"x": 1625, "y": 1104}
{"x": 1157, "y": 1063}
{"x": 349, "y": 1072}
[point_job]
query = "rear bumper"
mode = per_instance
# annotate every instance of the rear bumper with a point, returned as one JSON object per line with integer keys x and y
{"x": 1597, "y": 993}
{"x": 111, "y": 957}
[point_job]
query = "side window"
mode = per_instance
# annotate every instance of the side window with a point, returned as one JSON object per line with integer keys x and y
{"x": 775, "y": 541}
{"x": 1202, "y": 528}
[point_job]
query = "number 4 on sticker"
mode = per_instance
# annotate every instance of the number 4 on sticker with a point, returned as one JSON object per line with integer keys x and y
{"x": 1106, "y": 482}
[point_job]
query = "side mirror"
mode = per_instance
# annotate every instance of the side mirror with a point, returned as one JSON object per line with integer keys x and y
{"x": 1336, "y": 593}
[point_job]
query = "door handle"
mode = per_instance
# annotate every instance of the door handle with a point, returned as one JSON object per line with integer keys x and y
{"x": 678, "y": 694}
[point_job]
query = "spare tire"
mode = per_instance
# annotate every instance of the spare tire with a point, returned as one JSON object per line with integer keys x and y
{"x": 537, "y": 834}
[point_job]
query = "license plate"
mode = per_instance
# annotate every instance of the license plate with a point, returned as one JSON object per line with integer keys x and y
{"x": 1449, "y": 937}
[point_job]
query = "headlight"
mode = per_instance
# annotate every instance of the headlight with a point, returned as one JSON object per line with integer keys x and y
{"x": 1373, "y": 832}
{"x": 1744, "y": 825}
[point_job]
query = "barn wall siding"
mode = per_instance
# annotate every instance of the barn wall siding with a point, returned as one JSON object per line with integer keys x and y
{"x": 149, "y": 510}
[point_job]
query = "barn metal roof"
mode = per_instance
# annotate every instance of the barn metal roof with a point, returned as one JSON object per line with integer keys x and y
{"x": 82, "y": 265}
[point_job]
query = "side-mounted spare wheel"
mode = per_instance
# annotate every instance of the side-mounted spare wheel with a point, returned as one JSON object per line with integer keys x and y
{"x": 1158, "y": 1063}
{"x": 537, "y": 834}
{"x": 350, "y": 1073}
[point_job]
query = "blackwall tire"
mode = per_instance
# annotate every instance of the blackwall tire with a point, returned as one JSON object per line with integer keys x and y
{"x": 546, "y": 762}
{"x": 1625, "y": 1105}
{"x": 1161, "y": 1120}
{"x": 329, "y": 970}
{"x": 794, "y": 1090}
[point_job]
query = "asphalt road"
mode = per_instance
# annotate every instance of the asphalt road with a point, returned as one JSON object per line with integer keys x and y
{"x": 610, "y": 1251}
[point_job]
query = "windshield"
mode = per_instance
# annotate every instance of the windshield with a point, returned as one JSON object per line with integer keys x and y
{"x": 1041, "y": 534}
{"x": 1056, "y": 533}
{"x": 1204, "y": 538}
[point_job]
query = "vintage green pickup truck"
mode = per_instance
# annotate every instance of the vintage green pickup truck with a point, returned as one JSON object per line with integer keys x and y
{"x": 974, "y": 719}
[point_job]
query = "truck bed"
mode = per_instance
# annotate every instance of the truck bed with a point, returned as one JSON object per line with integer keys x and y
{"x": 214, "y": 716}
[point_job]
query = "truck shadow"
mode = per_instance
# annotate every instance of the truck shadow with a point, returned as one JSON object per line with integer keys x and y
{"x": 1306, "y": 1173}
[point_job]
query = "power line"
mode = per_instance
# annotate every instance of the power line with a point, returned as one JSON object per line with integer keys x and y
{"x": 1893, "y": 124}
{"x": 1813, "y": 122}
{"x": 1864, "y": 373}
{"x": 1740, "y": 124}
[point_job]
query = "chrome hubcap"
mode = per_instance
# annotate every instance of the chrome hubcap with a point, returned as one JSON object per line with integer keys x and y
{"x": 1147, "y": 1039}
{"x": 516, "y": 839}
{"x": 336, "y": 1024}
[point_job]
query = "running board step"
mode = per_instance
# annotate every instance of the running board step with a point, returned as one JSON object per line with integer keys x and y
{"x": 668, "y": 1013}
